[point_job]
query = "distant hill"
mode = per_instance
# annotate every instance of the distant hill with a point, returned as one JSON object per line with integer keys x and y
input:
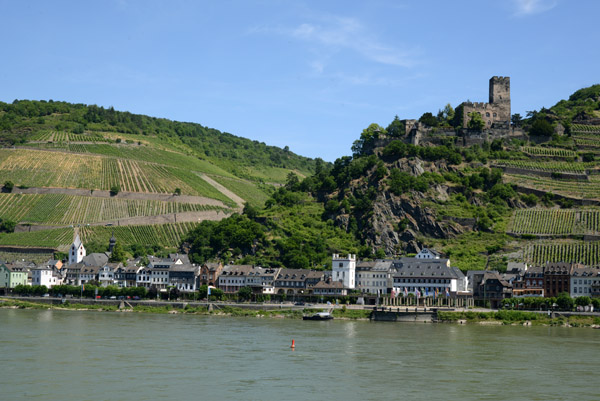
{"x": 27, "y": 120}
{"x": 74, "y": 164}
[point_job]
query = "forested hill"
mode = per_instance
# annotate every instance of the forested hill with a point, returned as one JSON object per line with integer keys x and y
{"x": 23, "y": 119}
{"x": 530, "y": 196}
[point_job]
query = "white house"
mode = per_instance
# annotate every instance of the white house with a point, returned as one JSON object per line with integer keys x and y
{"x": 106, "y": 274}
{"x": 585, "y": 282}
{"x": 344, "y": 270}
{"x": 233, "y": 277}
{"x": 143, "y": 277}
{"x": 428, "y": 254}
{"x": 374, "y": 277}
{"x": 43, "y": 276}
{"x": 77, "y": 251}
{"x": 428, "y": 277}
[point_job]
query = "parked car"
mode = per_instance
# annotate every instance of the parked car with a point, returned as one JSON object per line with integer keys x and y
{"x": 113, "y": 297}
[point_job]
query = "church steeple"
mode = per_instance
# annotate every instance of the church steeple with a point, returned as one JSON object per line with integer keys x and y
{"x": 77, "y": 251}
{"x": 112, "y": 242}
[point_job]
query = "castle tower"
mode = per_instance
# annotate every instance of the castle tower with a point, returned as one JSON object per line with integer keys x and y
{"x": 500, "y": 90}
{"x": 500, "y": 98}
{"x": 77, "y": 251}
{"x": 344, "y": 270}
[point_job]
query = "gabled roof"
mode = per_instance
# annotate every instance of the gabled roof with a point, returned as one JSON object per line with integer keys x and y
{"x": 328, "y": 285}
{"x": 185, "y": 268}
{"x": 95, "y": 259}
{"x": 431, "y": 268}
{"x": 292, "y": 274}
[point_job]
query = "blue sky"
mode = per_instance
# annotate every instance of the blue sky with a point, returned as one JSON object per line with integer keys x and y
{"x": 309, "y": 75}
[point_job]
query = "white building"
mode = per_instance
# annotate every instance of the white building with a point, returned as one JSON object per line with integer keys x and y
{"x": 585, "y": 283}
{"x": 428, "y": 254}
{"x": 233, "y": 277}
{"x": 106, "y": 274}
{"x": 430, "y": 277}
{"x": 344, "y": 270}
{"x": 77, "y": 251}
{"x": 374, "y": 277}
{"x": 43, "y": 276}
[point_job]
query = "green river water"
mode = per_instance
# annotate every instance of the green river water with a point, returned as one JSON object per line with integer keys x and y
{"x": 69, "y": 355}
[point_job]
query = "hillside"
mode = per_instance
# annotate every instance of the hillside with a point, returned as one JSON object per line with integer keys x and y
{"x": 530, "y": 197}
{"x": 72, "y": 164}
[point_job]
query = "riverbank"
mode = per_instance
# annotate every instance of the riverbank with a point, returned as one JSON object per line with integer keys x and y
{"x": 189, "y": 309}
{"x": 523, "y": 318}
{"x": 503, "y": 317}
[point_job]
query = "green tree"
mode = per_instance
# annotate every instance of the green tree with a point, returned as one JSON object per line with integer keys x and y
{"x": 428, "y": 119}
{"x": 369, "y": 134}
{"x": 541, "y": 127}
{"x": 118, "y": 254}
{"x": 396, "y": 128}
{"x": 245, "y": 293}
{"x": 583, "y": 301}
{"x": 7, "y": 226}
{"x": 516, "y": 120}
{"x": 564, "y": 301}
{"x": 177, "y": 191}
{"x": 8, "y": 186}
{"x": 250, "y": 211}
{"x": 476, "y": 121}
{"x": 114, "y": 190}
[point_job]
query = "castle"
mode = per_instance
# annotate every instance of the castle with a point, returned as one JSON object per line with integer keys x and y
{"x": 496, "y": 113}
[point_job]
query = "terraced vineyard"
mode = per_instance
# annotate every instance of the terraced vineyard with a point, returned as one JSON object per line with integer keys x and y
{"x": 549, "y": 166}
{"x": 587, "y": 253}
{"x": 548, "y": 152}
{"x": 56, "y": 136}
{"x": 36, "y": 258}
{"x": 163, "y": 235}
{"x": 66, "y": 170}
{"x": 543, "y": 222}
{"x": 555, "y": 222}
{"x": 137, "y": 152}
{"x": 582, "y": 128}
{"x": 586, "y": 142}
{"x": 45, "y": 238}
{"x": 59, "y": 209}
{"x": 576, "y": 189}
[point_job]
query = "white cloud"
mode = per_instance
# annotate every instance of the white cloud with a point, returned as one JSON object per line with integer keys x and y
{"x": 339, "y": 33}
{"x": 530, "y": 7}
{"x": 333, "y": 34}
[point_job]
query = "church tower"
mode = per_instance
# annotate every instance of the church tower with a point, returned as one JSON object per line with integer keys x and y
{"x": 77, "y": 251}
{"x": 112, "y": 242}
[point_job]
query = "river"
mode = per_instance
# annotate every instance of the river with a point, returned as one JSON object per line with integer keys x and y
{"x": 84, "y": 355}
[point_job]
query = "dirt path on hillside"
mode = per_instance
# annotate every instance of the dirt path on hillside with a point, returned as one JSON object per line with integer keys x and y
{"x": 239, "y": 201}
{"x": 198, "y": 200}
{"x": 183, "y": 217}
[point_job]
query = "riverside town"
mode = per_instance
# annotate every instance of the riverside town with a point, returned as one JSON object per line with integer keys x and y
{"x": 426, "y": 280}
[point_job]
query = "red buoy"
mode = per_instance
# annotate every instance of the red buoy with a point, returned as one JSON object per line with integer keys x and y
{"x": 293, "y": 344}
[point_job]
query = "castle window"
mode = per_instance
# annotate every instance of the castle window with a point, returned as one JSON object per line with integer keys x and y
{"x": 487, "y": 114}
{"x": 495, "y": 115}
